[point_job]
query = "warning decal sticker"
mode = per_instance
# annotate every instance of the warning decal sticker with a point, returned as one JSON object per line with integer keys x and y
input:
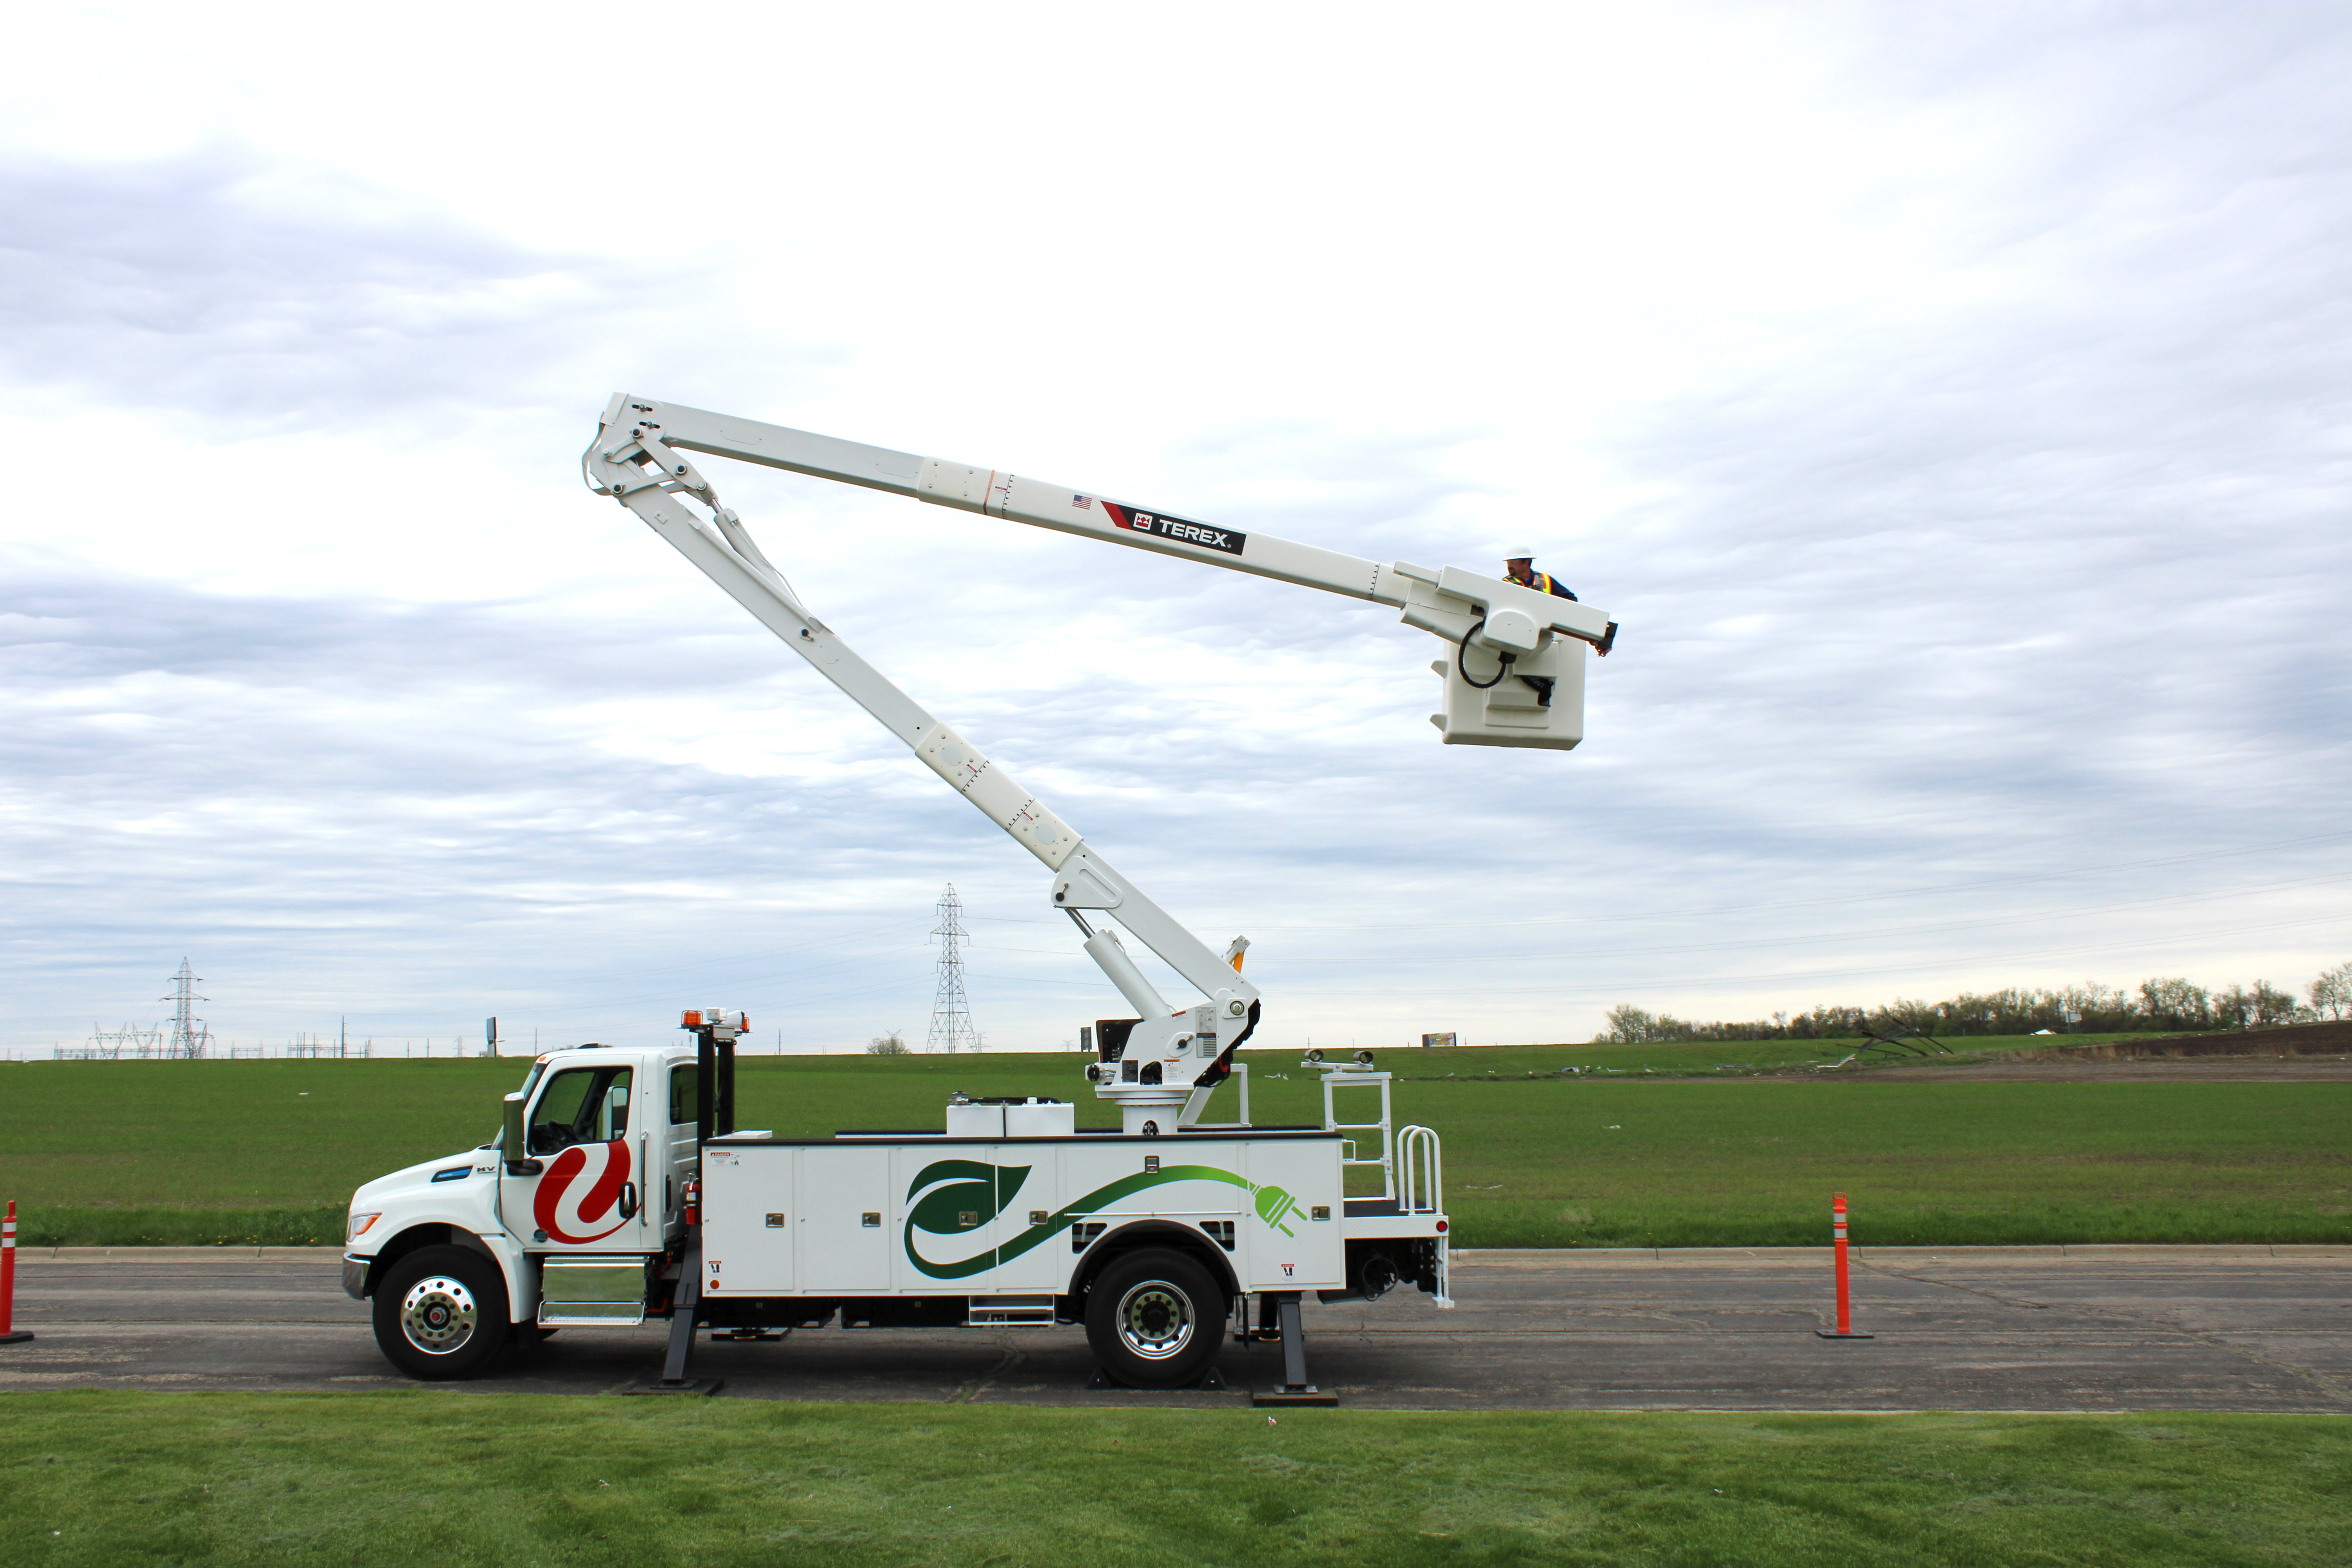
{"x": 1229, "y": 541}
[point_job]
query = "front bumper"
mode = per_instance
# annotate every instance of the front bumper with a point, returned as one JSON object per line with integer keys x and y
{"x": 355, "y": 1273}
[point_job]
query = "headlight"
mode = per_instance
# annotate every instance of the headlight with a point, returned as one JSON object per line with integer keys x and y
{"x": 359, "y": 1224}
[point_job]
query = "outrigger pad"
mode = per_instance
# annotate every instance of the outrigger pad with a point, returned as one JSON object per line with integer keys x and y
{"x": 702, "y": 1387}
{"x": 1307, "y": 1394}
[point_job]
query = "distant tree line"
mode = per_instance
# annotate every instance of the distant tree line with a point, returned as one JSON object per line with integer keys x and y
{"x": 2165, "y": 1006}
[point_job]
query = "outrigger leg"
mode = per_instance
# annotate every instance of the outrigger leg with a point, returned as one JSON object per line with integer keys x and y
{"x": 682, "y": 1308}
{"x": 1294, "y": 1389}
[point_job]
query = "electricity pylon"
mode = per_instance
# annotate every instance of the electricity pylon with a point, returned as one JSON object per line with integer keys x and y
{"x": 951, "y": 1027}
{"x": 189, "y": 1035}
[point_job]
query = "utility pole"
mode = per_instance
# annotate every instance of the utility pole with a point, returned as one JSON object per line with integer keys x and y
{"x": 951, "y": 1014}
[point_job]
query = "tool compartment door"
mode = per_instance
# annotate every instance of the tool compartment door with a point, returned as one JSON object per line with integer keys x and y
{"x": 1028, "y": 1184}
{"x": 1282, "y": 1246}
{"x": 841, "y": 1253}
{"x": 749, "y": 1219}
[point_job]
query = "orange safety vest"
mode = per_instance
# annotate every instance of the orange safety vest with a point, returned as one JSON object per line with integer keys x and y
{"x": 1542, "y": 583}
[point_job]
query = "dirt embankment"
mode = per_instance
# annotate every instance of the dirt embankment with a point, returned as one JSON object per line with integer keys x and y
{"x": 2299, "y": 1053}
{"x": 2189, "y": 1069}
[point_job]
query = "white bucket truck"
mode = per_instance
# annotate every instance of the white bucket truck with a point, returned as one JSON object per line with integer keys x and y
{"x": 620, "y": 1188}
{"x": 620, "y": 1191}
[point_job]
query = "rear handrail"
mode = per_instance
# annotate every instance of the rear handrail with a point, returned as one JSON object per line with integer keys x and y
{"x": 1420, "y": 1172}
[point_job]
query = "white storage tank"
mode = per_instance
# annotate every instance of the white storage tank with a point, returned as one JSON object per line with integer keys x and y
{"x": 1035, "y": 1118}
{"x": 1011, "y": 1118}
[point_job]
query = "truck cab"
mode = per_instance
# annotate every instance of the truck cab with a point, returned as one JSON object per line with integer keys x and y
{"x": 588, "y": 1175}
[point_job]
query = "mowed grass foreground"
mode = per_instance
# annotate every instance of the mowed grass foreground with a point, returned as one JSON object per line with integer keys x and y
{"x": 520, "y": 1480}
{"x": 126, "y": 1152}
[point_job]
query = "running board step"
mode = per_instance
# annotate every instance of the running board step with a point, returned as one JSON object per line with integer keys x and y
{"x": 1009, "y": 1311}
{"x": 592, "y": 1292}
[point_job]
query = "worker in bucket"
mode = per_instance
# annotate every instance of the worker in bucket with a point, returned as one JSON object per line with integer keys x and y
{"x": 1519, "y": 566}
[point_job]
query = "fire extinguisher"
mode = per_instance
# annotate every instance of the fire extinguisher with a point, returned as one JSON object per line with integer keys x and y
{"x": 694, "y": 1200}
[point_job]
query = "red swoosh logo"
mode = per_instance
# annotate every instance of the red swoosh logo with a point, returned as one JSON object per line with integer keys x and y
{"x": 549, "y": 1205}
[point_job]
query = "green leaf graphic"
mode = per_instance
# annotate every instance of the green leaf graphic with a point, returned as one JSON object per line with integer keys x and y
{"x": 940, "y": 1215}
{"x": 968, "y": 1187}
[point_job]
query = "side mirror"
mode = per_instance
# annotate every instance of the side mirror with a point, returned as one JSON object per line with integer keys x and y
{"x": 514, "y": 1148}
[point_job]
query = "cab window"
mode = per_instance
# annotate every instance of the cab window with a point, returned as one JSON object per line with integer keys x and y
{"x": 683, "y": 1081}
{"x": 581, "y": 1105}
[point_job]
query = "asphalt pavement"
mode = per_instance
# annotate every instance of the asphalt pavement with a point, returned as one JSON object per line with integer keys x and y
{"x": 2093, "y": 1328}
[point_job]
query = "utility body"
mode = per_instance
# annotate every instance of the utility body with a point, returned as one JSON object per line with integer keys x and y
{"x": 619, "y": 1188}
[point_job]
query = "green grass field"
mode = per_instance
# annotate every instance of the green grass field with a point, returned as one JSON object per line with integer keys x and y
{"x": 515, "y": 1481}
{"x": 123, "y": 1153}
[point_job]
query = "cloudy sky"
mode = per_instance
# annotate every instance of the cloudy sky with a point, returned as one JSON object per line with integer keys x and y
{"x": 1950, "y": 402}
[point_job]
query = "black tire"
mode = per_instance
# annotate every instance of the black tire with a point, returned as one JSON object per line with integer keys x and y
{"x": 1156, "y": 1319}
{"x": 441, "y": 1313}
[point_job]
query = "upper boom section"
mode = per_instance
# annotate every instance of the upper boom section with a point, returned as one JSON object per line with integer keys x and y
{"x": 996, "y": 493}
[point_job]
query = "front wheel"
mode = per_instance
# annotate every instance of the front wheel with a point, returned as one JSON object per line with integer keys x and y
{"x": 441, "y": 1313}
{"x": 1155, "y": 1319}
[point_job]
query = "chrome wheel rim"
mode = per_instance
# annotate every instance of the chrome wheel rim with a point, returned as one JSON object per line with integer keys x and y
{"x": 1155, "y": 1320}
{"x": 437, "y": 1315}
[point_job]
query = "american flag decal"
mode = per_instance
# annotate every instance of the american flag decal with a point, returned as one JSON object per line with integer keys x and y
{"x": 1084, "y": 503}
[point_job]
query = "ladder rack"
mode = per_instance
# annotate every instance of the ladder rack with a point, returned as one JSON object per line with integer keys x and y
{"x": 1338, "y": 1075}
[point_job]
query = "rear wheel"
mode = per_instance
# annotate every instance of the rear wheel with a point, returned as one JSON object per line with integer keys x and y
{"x": 441, "y": 1313}
{"x": 1155, "y": 1319}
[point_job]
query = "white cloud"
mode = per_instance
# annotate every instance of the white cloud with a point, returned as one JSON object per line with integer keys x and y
{"x": 1946, "y": 404}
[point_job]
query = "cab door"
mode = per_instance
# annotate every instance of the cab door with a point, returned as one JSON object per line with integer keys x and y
{"x": 675, "y": 1156}
{"x": 587, "y": 1193}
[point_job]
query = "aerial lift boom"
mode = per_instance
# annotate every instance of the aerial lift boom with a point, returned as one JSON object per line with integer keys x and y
{"x": 1515, "y": 678}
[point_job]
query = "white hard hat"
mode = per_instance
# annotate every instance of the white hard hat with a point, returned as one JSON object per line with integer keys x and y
{"x": 1518, "y": 555}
